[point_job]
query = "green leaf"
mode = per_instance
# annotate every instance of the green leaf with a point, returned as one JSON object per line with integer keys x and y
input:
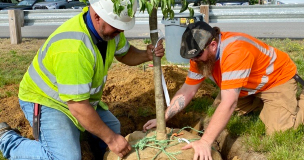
{"x": 191, "y": 12}
{"x": 171, "y": 14}
{"x": 173, "y": 3}
{"x": 130, "y": 10}
{"x": 142, "y": 5}
{"x": 152, "y": 2}
{"x": 116, "y": 6}
{"x": 157, "y": 3}
{"x": 163, "y": 5}
{"x": 185, "y": 2}
{"x": 165, "y": 13}
{"x": 149, "y": 7}
{"x": 168, "y": 4}
{"x": 121, "y": 8}
{"x": 184, "y": 6}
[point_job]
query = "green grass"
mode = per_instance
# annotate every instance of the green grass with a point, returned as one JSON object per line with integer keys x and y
{"x": 13, "y": 65}
{"x": 282, "y": 145}
{"x": 199, "y": 105}
{"x": 250, "y": 124}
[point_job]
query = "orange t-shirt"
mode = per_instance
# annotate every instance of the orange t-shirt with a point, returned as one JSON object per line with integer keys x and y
{"x": 247, "y": 63}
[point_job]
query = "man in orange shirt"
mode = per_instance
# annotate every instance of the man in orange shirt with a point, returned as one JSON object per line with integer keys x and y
{"x": 250, "y": 74}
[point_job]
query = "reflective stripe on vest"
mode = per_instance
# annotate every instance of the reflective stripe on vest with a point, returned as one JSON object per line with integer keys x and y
{"x": 198, "y": 76}
{"x": 235, "y": 74}
{"x": 123, "y": 49}
{"x": 245, "y": 73}
{"x": 65, "y": 89}
{"x": 194, "y": 75}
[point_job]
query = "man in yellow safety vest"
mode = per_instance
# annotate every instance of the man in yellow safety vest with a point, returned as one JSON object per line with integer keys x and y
{"x": 64, "y": 84}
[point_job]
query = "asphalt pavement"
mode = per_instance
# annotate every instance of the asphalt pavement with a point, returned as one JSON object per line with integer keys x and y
{"x": 292, "y": 30}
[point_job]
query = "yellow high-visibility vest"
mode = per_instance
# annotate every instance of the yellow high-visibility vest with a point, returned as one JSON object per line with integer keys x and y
{"x": 69, "y": 66}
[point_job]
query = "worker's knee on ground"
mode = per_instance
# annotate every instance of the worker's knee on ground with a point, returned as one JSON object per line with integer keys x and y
{"x": 284, "y": 121}
{"x": 277, "y": 119}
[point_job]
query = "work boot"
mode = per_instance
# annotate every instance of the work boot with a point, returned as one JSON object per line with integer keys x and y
{"x": 4, "y": 127}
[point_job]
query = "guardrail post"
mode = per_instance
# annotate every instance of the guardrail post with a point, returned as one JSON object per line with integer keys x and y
{"x": 204, "y": 9}
{"x": 16, "y": 21}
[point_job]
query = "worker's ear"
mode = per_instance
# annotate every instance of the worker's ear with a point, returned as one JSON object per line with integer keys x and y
{"x": 96, "y": 17}
{"x": 213, "y": 45}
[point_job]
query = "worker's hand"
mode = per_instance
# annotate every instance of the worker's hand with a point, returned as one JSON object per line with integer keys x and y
{"x": 202, "y": 149}
{"x": 119, "y": 145}
{"x": 150, "y": 124}
{"x": 159, "y": 50}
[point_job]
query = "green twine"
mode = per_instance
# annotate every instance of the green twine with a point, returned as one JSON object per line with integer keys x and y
{"x": 159, "y": 144}
{"x": 189, "y": 128}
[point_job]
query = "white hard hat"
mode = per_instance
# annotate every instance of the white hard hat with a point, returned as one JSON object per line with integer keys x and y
{"x": 104, "y": 8}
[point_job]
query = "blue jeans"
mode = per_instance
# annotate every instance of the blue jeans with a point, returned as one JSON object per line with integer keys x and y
{"x": 58, "y": 139}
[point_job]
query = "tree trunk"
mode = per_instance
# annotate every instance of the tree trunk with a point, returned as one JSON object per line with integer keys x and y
{"x": 159, "y": 94}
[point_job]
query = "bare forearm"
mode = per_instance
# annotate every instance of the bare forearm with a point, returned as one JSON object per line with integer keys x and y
{"x": 181, "y": 99}
{"x": 134, "y": 57}
{"x": 177, "y": 104}
{"x": 222, "y": 114}
{"x": 218, "y": 122}
{"x": 90, "y": 120}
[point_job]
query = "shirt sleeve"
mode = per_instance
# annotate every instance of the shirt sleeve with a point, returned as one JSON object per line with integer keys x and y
{"x": 194, "y": 77}
{"x": 122, "y": 45}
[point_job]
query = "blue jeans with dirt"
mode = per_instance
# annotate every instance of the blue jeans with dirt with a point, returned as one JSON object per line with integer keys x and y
{"x": 58, "y": 137}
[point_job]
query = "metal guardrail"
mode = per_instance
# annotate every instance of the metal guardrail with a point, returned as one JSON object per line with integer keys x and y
{"x": 3, "y": 18}
{"x": 257, "y": 13}
{"x": 217, "y": 14}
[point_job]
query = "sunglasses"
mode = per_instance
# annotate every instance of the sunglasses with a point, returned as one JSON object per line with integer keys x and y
{"x": 201, "y": 53}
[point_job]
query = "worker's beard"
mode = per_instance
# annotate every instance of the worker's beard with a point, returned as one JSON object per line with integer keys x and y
{"x": 206, "y": 67}
{"x": 108, "y": 36}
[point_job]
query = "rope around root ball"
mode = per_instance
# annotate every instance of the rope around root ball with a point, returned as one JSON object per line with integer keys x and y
{"x": 160, "y": 144}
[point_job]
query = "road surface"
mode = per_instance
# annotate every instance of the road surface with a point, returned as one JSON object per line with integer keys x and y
{"x": 293, "y": 30}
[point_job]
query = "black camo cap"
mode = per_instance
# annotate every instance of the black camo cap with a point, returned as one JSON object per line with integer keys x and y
{"x": 195, "y": 38}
